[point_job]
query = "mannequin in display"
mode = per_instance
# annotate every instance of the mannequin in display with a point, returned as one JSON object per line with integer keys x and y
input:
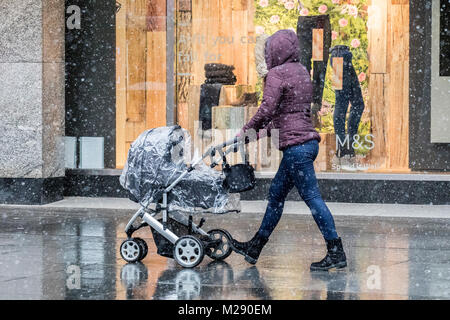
{"x": 314, "y": 34}
{"x": 350, "y": 94}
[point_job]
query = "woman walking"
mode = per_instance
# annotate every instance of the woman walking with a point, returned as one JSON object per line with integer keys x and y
{"x": 286, "y": 106}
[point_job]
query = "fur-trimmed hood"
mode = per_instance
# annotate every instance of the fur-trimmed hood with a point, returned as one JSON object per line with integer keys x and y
{"x": 260, "y": 59}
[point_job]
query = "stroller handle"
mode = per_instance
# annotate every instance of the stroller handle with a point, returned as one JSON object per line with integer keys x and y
{"x": 229, "y": 146}
{"x": 232, "y": 144}
{"x": 211, "y": 152}
{"x": 235, "y": 140}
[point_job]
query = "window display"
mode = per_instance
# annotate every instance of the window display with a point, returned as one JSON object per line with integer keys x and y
{"x": 356, "y": 55}
{"x": 350, "y": 93}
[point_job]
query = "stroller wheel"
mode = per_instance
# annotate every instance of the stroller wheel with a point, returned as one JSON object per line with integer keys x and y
{"x": 131, "y": 250}
{"x": 223, "y": 249}
{"x": 188, "y": 251}
{"x": 144, "y": 248}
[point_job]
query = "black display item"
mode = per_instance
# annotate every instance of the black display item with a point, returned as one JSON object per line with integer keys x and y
{"x": 305, "y": 26}
{"x": 350, "y": 94}
{"x": 209, "y": 97}
{"x": 218, "y": 67}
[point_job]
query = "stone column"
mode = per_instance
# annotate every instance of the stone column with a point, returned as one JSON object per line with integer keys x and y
{"x": 31, "y": 101}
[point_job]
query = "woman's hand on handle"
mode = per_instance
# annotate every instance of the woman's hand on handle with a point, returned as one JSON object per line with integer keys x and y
{"x": 240, "y": 136}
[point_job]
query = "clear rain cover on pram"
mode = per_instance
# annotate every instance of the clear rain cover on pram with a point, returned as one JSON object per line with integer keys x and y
{"x": 157, "y": 158}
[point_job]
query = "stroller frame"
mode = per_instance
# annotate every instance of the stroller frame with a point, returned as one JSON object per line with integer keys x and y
{"x": 148, "y": 216}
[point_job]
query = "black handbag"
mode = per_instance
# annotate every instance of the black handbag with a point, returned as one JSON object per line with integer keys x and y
{"x": 239, "y": 177}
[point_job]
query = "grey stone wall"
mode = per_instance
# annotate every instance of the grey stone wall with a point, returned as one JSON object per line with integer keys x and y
{"x": 31, "y": 88}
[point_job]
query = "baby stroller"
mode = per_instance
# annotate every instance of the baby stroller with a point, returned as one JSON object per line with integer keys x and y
{"x": 158, "y": 178}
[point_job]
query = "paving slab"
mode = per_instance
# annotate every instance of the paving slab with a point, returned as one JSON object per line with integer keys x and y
{"x": 55, "y": 253}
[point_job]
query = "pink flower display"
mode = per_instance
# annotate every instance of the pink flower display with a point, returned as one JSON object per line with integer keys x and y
{"x": 352, "y": 10}
{"x": 274, "y": 19}
{"x": 323, "y": 8}
{"x": 289, "y": 5}
{"x": 304, "y": 12}
{"x": 263, "y": 3}
{"x": 324, "y": 111}
{"x": 343, "y": 22}
{"x": 336, "y": 1}
{"x": 334, "y": 35}
{"x": 355, "y": 43}
{"x": 362, "y": 77}
{"x": 259, "y": 29}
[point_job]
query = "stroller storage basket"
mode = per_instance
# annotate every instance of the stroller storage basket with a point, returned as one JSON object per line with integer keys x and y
{"x": 239, "y": 178}
{"x": 164, "y": 247}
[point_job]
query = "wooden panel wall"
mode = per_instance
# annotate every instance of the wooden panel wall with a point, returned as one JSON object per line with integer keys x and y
{"x": 398, "y": 87}
{"x": 136, "y": 45}
{"x": 223, "y": 32}
{"x": 239, "y": 27}
{"x": 211, "y": 31}
{"x": 140, "y": 71}
{"x": 156, "y": 64}
{"x": 251, "y": 75}
{"x": 121, "y": 85}
{"x": 184, "y": 60}
{"x": 377, "y": 34}
{"x": 388, "y": 35}
{"x": 207, "y": 31}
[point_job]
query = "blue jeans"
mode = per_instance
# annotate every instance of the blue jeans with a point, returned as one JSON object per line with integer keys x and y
{"x": 297, "y": 169}
{"x": 350, "y": 93}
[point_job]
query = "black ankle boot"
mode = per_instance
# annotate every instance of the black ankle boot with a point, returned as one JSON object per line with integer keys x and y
{"x": 240, "y": 247}
{"x": 335, "y": 257}
{"x": 251, "y": 249}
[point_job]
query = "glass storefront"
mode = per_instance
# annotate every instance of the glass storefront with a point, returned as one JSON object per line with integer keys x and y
{"x": 192, "y": 63}
{"x": 370, "y": 134}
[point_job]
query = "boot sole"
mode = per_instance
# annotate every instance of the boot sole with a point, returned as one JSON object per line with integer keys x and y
{"x": 250, "y": 259}
{"x": 237, "y": 250}
{"x": 339, "y": 265}
{"x": 247, "y": 257}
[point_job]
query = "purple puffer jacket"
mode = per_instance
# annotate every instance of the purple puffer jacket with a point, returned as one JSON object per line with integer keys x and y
{"x": 286, "y": 103}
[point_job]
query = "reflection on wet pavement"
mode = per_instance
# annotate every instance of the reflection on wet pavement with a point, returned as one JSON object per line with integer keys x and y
{"x": 60, "y": 255}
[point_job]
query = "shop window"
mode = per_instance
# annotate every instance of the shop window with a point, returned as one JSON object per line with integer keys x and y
{"x": 377, "y": 36}
{"x": 225, "y": 33}
{"x": 140, "y": 70}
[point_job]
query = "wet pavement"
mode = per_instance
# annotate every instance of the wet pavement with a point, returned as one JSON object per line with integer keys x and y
{"x": 54, "y": 254}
